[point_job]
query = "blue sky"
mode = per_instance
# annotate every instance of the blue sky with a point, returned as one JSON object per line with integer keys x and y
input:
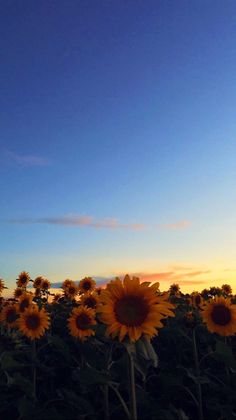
{"x": 117, "y": 142}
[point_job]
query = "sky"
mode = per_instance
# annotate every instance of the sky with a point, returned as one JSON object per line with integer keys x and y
{"x": 118, "y": 140}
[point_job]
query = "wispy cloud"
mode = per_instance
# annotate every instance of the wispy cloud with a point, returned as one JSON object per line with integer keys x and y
{"x": 81, "y": 221}
{"x": 76, "y": 220}
{"x": 181, "y": 224}
{"x": 171, "y": 276}
{"x": 27, "y": 160}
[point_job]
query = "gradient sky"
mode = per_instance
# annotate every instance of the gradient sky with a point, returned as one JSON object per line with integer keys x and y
{"x": 118, "y": 140}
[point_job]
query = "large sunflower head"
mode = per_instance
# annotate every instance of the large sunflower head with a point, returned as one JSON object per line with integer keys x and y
{"x": 1, "y": 285}
{"x": 220, "y": 316}
{"x": 132, "y": 309}
{"x": 90, "y": 300}
{"x": 9, "y": 315}
{"x": 33, "y": 322}
{"x": 81, "y": 321}
{"x": 38, "y": 282}
{"x": 87, "y": 285}
{"x": 25, "y": 300}
{"x": 23, "y": 279}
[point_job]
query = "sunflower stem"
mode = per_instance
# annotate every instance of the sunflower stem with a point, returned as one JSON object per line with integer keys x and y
{"x": 133, "y": 403}
{"x": 197, "y": 368}
{"x": 106, "y": 402}
{"x": 34, "y": 368}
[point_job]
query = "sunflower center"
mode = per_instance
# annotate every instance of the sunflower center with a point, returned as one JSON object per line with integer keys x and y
{"x": 87, "y": 285}
{"x": 32, "y": 322}
{"x": 131, "y": 310}
{"x": 11, "y": 316}
{"x": 23, "y": 280}
{"x": 71, "y": 290}
{"x": 221, "y": 315}
{"x": 83, "y": 321}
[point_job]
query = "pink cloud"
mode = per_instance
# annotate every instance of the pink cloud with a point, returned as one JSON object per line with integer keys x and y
{"x": 181, "y": 224}
{"x": 81, "y": 221}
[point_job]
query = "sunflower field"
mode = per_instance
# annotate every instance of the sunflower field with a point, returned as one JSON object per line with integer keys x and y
{"x": 123, "y": 351}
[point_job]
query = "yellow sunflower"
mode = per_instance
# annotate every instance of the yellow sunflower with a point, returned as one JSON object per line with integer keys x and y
{"x": 18, "y": 292}
{"x": 227, "y": 289}
{"x": 23, "y": 279}
{"x": 56, "y": 298}
{"x": 196, "y": 300}
{"x": 66, "y": 283}
{"x": 81, "y": 321}
{"x": 90, "y": 300}
{"x": 71, "y": 291}
{"x": 9, "y": 315}
{"x": 87, "y": 285}
{"x": 38, "y": 282}
{"x": 33, "y": 322}
{"x": 1, "y": 285}
{"x": 132, "y": 309}
{"x": 45, "y": 285}
{"x": 220, "y": 316}
{"x": 174, "y": 289}
{"x": 25, "y": 300}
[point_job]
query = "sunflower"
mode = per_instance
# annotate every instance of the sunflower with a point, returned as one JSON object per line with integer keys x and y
{"x": 45, "y": 285}
{"x": 38, "y": 282}
{"x": 33, "y": 322}
{"x": 66, "y": 283}
{"x": 87, "y": 285}
{"x": 220, "y": 316}
{"x": 9, "y": 315}
{"x": 81, "y": 321}
{"x": 18, "y": 292}
{"x": 132, "y": 309}
{"x": 71, "y": 291}
{"x": 226, "y": 289}
{"x": 56, "y": 298}
{"x": 1, "y": 285}
{"x": 90, "y": 300}
{"x": 174, "y": 289}
{"x": 196, "y": 300}
{"x": 25, "y": 301}
{"x": 23, "y": 279}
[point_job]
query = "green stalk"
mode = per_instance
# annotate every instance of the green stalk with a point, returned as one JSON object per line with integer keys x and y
{"x": 133, "y": 402}
{"x": 34, "y": 368}
{"x": 199, "y": 388}
{"x": 106, "y": 402}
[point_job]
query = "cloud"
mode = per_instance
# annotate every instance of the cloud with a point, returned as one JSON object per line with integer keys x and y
{"x": 27, "y": 160}
{"x": 181, "y": 224}
{"x": 89, "y": 221}
{"x": 81, "y": 221}
{"x": 172, "y": 276}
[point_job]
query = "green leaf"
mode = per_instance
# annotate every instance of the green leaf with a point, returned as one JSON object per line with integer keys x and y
{"x": 225, "y": 355}
{"x": 90, "y": 376}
